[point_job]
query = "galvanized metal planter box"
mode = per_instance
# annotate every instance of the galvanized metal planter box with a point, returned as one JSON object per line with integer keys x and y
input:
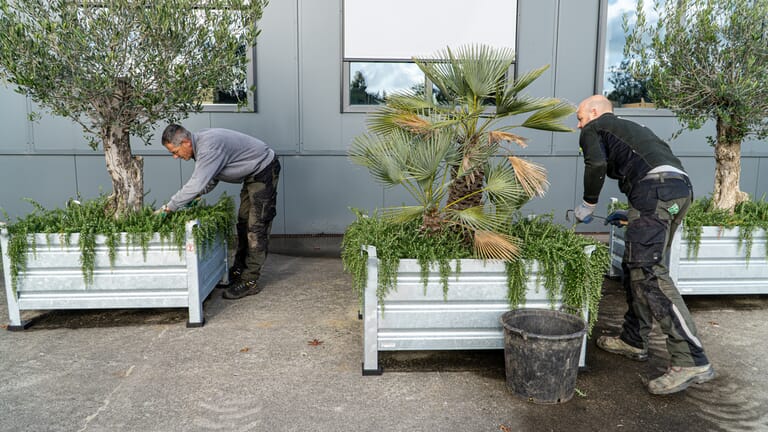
{"x": 164, "y": 278}
{"x": 466, "y": 317}
{"x": 720, "y": 267}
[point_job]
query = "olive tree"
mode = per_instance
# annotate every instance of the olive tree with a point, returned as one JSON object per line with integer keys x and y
{"x": 117, "y": 68}
{"x": 708, "y": 60}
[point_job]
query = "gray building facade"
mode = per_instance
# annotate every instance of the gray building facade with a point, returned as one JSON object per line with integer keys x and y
{"x": 301, "y": 77}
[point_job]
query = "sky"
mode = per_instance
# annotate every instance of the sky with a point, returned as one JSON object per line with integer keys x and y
{"x": 614, "y": 38}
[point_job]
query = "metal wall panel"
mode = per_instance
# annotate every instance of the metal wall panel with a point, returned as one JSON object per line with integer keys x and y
{"x": 320, "y": 190}
{"x": 49, "y": 180}
{"x": 299, "y": 88}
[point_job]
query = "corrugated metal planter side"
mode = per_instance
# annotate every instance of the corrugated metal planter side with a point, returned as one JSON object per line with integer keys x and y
{"x": 164, "y": 279}
{"x": 720, "y": 267}
{"x": 413, "y": 317}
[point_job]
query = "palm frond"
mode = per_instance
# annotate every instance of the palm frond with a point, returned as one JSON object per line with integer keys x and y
{"x": 400, "y": 112}
{"x": 551, "y": 117}
{"x": 503, "y": 188}
{"x": 402, "y": 214}
{"x": 498, "y": 136}
{"x": 385, "y": 156}
{"x": 526, "y": 79}
{"x": 430, "y": 153}
{"x": 473, "y": 72}
{"x": 477, "y": 218}
{"x": 513, "y": 104}
{"x": 492, "y": 245}
{"x": 532, "y": 176}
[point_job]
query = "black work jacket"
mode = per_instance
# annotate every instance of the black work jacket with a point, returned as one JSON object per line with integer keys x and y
{"x": 622, "y": 150}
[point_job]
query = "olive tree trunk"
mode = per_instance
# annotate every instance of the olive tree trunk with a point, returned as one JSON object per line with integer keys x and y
{"x": 126, "y": 171}
{"x": 727, "y": 193}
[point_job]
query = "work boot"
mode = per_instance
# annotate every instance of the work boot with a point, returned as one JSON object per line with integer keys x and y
{"x": 235, "y": 273}
{"x": 241, "y": 289}
{"x": 679, "y": 378}
{"x": 614, "y": 344}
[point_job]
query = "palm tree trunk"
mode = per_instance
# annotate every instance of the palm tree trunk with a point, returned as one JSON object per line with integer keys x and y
{"x": 126, "y": 171}
{"x": 727, "y": 193}
{"x": 466, "y": 185}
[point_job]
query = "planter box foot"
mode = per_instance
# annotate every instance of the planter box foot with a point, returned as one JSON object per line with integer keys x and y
{"x": 23, "y": 326}
{"x": 372, "y": 372}
{"x": 359, "y": 315}
{"x": 195, "y": 325}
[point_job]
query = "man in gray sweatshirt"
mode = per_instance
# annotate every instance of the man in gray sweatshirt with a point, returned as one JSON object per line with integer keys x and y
{"x": 232, "y": 157}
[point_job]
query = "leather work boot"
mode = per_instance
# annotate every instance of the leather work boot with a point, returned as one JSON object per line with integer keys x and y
{"x": 679, "y": 378}
{"x": 614, "y": 344}
{"x": 234, "y": 275}
{"x": 241, "y": 289}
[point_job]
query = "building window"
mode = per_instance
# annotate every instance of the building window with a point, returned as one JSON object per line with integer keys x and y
{"x": 381, "y": 38}
{"x": 237, "y": 96}
{"x": 616, "y": 82}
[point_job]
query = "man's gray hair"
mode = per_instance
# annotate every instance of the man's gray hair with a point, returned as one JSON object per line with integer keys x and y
{"x": 174, "y": 134}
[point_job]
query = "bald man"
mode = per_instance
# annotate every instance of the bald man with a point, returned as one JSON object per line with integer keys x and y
{"x": 659, "y": 194}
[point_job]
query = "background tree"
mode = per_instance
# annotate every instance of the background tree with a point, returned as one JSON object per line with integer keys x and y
{"x": 708, "y": 59}
{"x": 118, "y": 67}
{"x": 626, "y": 89}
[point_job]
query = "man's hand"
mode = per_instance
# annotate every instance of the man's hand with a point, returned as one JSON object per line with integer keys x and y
{"x": 618, "y": 218}
{"x": 194, "y": 203}
{"x": 583, "y": 212}
{"x": 162, "y": 212}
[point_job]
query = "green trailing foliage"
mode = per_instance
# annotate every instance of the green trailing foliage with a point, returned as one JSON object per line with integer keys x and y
{"x": 748, "y": 216}
{"x": 88, "y": 220}
{"x": 394, "y": 241}
{"x": 567, "y": 272}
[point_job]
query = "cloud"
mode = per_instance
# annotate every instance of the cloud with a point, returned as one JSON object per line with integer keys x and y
{"x": 388, "y": 77}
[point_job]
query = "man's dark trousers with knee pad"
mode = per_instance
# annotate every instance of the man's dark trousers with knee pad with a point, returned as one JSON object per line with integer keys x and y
{"x": 258, "y": 198}
{"x": 658, "y": 204}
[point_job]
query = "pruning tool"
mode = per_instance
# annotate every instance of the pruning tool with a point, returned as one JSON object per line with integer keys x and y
{"x": 570, "y": 212}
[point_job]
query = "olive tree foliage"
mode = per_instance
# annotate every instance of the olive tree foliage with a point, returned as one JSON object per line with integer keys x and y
{"x": 708, "y": 60}
{"x": 119, "y": 67}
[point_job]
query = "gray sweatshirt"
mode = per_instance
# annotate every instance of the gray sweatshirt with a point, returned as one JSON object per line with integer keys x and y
{"x": 221, "y": 155}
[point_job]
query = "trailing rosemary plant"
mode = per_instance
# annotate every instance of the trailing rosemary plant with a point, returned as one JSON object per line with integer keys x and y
{"x": 88, "y": 220}
{"x": 568, "y": 273}
{"x": 748, "y": 216}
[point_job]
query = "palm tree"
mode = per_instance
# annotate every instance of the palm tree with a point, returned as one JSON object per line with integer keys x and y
{"x": 441, "y": 152}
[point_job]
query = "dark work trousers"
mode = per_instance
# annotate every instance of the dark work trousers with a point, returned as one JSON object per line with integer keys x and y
{"x": 258, "y": 199}
{"x": 657, "y": 208}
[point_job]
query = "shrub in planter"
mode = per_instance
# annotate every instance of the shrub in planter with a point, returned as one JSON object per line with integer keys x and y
{"x": 88, "y": 220}
{"x": 718, "y": 252}
{"x": 138, "y": 260}
{"x": 569, "y": 275}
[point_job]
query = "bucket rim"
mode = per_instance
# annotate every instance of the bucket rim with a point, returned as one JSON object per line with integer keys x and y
{"x": 555, "y": 313}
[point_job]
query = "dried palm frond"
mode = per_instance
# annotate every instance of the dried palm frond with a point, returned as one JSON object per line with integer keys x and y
{"x": 413, "y": 123}
{"x": 492, "y": 245}
{"x": 532, "y": 177}
{"x": 498, "y": 136}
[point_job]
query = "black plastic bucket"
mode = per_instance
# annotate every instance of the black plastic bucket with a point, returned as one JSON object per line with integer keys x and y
{"x": 541, "y": 353}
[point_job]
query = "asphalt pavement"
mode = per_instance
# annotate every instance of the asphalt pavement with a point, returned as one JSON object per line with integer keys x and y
{"x": 289, "y": 359}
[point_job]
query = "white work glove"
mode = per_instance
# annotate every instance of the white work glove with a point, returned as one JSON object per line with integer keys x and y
{"x": 583, "y": 212}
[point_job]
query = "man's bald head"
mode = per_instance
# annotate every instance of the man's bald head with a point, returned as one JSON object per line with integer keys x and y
{"x": 592, "y": 108}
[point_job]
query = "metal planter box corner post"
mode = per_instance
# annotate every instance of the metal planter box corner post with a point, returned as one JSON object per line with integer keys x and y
{"x": 720, "y": 267}
{"x": 413, "y": 317}
{"x": 166, "y": 278}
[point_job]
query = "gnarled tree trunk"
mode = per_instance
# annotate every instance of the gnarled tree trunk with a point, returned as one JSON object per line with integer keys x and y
{"x": 727, "y": 193}
{"x": 126, "y": 171}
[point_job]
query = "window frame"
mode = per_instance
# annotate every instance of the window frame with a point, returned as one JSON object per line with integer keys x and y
{"x": 600, "y": 57}
{"x": 251, "y": 104}
{"x": 346, "y": 63}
